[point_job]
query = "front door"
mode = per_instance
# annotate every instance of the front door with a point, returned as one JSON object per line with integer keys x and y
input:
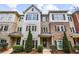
{"x": 44, "y": 42}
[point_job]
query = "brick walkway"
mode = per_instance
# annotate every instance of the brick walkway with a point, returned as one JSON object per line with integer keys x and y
{"x": 46, "y": 51}
{"x": 8, "y": 51}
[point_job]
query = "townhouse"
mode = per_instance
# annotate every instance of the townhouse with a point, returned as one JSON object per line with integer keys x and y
{"x": 47, "y": 29}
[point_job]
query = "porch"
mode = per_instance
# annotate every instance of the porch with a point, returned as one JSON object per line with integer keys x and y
{"x": 46, "y": 39}
{"x": 15, "y": 38}
{"x": 76, "y": 38}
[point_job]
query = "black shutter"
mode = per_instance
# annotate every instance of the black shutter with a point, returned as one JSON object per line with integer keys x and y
{"x": 26, "y": 17}
{"x": 37, "y": 16}
{"x": 64, "y": 16}
{"x": 65, "y": 28}
{"x": 52, "y": 17}
{"x": 55, "y": 44}
{"x": 36, "y": 43}
{"x": 22, "y": 42}
{"x": 33, "y": 43}
{"x": 55, "y": 28}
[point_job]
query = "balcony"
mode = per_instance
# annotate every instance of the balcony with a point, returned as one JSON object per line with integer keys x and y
{"x": 75, "y": 35}
{"x": 15, "y": 34}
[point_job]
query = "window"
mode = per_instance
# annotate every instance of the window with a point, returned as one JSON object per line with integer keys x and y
{"x": 44, "y": 29}
{"x": 27, "y": 28}
{"x": 58, "y": 17}
{"x": 10, "y": 17}
{"x": 35, "y": 43}
{"x": 69, "y": 18}
{"x": 18, "y": 42}
{"x": 31, "y": 27}
{"x": 5, "y": 28}
{"x": 59, "y": 44}
{"x": 1, "y": 18}
{"x": 2, "y": 41}
{"x": 32, "y": 16}
{"x": 72, "y": 29}
{"x": 60, "y": 28}
{"x": 19, "y": 29}
{"x": 1, "y": 28}
{"x": 32, "y": 9}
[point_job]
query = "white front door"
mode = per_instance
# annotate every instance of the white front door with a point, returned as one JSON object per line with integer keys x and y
{"x": 59, "y": 45}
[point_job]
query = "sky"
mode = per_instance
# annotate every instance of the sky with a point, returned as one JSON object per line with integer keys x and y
{"x": 43, "y": 7}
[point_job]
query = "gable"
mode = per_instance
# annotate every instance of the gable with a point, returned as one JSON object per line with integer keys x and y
{"x": 32, "y": 8}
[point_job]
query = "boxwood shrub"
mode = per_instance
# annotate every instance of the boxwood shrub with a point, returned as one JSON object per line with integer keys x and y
{"x": 18, "y": 48}
{"x": 40, "y": 48}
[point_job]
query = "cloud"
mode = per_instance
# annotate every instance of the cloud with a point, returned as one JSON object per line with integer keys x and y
{"x": 73, "y": 8}
{"x": 13, "y": 7}
{"x": 46, "y": 7}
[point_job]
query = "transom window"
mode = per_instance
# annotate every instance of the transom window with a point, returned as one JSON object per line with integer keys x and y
{"x": 32, "y": 16}
{"x": 58, "y": 17}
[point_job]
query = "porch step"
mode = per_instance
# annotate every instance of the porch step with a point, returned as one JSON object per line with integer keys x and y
{"x": 46, "y": 51}
{"x": 8, "y": 51}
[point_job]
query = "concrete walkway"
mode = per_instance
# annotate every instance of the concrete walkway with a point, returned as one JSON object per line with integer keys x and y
{"x": 8, "y": 51}
{"x": 46, "y": 51}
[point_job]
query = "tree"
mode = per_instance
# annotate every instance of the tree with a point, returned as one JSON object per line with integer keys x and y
{"x": 28, "y": 44}
{"x": 66, "y": 47}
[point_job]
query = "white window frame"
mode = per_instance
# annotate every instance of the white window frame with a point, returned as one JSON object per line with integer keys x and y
{"x": 58, "y": 43}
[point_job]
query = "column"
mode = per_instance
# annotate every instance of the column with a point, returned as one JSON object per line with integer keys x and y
{"x": 52, "y": 40}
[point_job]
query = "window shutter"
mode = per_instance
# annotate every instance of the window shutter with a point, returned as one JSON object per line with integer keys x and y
{"x": 52, "y": 17}
{"x": 55, "y": 44}
{"x": 36, "y": 43}
{"x": 65, "y": 28}
{"x": 64, "y": 16}
{"x": 37, "y": 16}
{"x": 22, "y": 42}
{"x": 26, "y": 17}
{"x": 55, "y": 28}
{"x": 33, "y": 43}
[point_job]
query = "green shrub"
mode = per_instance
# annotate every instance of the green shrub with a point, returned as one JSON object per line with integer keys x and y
{"x": 77, "y": 47}
{"x": 18, "y": 48}
{"x": 40, "y": 48}
{"x": 66, "y": 47}
{"x": 53, "y": 47}
{"x": 28, "y": 44}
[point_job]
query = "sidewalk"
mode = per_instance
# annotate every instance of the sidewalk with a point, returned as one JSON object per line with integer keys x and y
{"x": 8, "y": 51}
{"x": 46, "y": 51}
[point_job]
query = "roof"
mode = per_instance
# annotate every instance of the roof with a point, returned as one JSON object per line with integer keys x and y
{"x": 31, "y": 7}
{"x": 75, "y": 12}
{"x": 58, "y": 11}
{"x": 10, "y": 12}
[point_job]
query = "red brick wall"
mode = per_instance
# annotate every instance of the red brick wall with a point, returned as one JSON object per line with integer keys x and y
{"x": 76, "y": 23}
